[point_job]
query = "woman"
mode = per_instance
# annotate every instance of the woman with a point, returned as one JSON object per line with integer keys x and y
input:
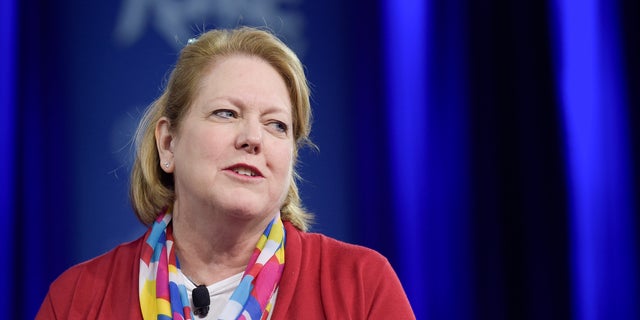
{"x": 214, "y": 179}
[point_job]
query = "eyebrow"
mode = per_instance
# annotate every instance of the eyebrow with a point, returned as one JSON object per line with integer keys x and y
{"x": 242, "y": 105}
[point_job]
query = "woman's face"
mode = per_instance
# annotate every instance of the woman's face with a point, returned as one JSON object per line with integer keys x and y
{"x": 233, "y": 151}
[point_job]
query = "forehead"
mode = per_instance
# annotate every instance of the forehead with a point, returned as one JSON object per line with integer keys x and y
{"x": 244, "y": 78}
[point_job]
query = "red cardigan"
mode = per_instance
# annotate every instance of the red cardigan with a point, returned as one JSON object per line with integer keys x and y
{"x": 322, "y": 279}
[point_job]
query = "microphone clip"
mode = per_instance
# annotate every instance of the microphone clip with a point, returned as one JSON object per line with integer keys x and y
{"x": 201, "y": 301}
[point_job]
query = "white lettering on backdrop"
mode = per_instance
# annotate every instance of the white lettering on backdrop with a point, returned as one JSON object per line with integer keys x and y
{"x": 178, "y": 20}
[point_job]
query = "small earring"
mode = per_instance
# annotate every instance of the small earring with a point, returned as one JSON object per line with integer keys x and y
{"x": 166, "y": 164}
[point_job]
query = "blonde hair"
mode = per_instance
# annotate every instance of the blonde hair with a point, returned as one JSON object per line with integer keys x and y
{"x": 152, "y": 189}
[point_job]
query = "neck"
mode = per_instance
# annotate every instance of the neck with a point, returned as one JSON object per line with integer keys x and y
{"x": 214, "y": 246}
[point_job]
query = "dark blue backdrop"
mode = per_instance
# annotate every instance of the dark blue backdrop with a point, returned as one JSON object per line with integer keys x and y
{"x": 489, "y": 149}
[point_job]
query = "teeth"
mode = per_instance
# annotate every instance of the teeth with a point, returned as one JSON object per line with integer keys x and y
{"x": 244, "y": 171}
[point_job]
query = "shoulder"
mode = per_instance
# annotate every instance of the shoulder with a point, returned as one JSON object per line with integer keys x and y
{"x": 345, "y": 267}
{"x": 318, "y": 246}
{"x": 101, "y": 267}
{"x": 339, "y": 278}
{"x": 83, "y": 288}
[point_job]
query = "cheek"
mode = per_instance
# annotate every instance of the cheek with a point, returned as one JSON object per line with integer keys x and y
{"x": 285, "y": 173}
{"x": 288, "y": 159}
{"x": 208, "y": 148}
{"x": 282, "y": 159}
{"x": 198, "y": 150}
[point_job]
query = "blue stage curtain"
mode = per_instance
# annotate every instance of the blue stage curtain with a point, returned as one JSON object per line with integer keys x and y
{"x": 468, "y": 176}
{"x": 596, "y": 112}
{"x": 425, "y": 69}
{"x": 35, "y": 245}
{"x": 8, "y": 108}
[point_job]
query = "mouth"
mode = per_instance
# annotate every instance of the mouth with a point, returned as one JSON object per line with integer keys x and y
{"x": 245, "y": 170}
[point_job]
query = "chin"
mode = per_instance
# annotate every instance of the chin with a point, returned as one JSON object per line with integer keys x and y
{"x": 248, "y": 212}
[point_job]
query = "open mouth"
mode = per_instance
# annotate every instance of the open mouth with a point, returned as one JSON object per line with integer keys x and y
{"x": 245, "y": 170}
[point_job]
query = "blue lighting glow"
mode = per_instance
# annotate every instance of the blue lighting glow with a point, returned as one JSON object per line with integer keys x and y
{"x": 7, "y": 111}
{"x": 406, "y": 69}
{"x": 593, "y": 100}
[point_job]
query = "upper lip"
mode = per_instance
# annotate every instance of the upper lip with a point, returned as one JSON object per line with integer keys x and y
{"x": 245, "y": 166}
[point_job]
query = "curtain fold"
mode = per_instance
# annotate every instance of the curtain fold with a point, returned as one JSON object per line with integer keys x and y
{"x": 481, "y": 172}
{"x": 40, "y": 215}
{"x": 599, "y": 162}
{"x": 8, "y": 20}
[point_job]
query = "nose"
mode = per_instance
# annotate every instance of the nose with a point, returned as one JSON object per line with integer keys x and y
{"x": 250, "y": 137}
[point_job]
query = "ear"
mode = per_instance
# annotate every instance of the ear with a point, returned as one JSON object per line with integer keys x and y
{"x": 164, "y": 142}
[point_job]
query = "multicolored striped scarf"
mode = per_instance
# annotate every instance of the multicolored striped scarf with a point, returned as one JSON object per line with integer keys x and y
{"x": 162, "y": 291}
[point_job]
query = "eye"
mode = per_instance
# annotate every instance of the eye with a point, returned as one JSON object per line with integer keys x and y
{"x": 279, "y": 126}
{"x": 225, "y": 114}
